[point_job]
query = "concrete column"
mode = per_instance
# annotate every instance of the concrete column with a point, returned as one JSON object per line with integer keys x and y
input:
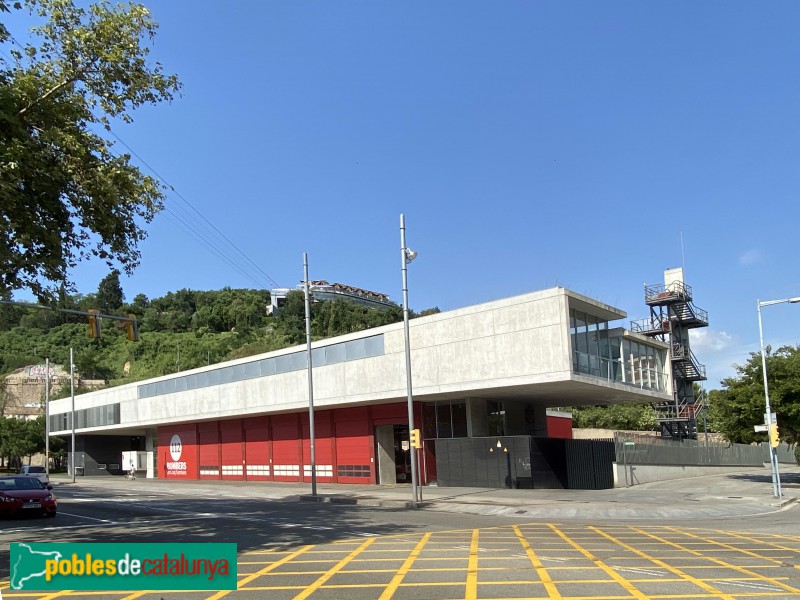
{"x": 384, "y": 436}
{"x": 149, "y": 446}
{"x": 526, "y": 418}
{"x": 477, "y": 418}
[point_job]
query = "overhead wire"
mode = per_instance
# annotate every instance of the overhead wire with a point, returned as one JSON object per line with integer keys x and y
{"x": 195, "y": 223}
{"x": 201, "y": 222}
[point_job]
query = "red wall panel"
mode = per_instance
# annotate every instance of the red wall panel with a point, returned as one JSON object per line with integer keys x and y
{"x": 177, "y": 452}
{"x": 559, "y": 427}
{"x": 390, "y": 414}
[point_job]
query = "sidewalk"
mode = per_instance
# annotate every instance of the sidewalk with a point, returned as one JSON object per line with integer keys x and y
{"x": 740, "y": 494}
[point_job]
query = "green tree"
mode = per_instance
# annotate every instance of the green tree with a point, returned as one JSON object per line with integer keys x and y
{"x": 66, "y": 195}
{"x": 109, "y": 293}
{"x": 625, "y": 417}
{"x": 741, "y": 404}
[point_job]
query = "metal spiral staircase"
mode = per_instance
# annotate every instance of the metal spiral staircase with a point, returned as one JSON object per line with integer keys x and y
{"x": 672, "y": 315}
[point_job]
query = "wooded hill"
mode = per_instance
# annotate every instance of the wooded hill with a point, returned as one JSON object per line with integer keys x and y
{"x": 181, "y": 330}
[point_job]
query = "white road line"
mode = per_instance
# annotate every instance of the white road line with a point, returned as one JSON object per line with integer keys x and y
{"x": 85, "y": 517}
{"x": 640, "y": 571}
{"x": 750, "y": 584}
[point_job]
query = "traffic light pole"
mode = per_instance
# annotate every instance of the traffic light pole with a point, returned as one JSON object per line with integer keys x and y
{"x": 93, "y": 315}
{"x": 769, "y": 416}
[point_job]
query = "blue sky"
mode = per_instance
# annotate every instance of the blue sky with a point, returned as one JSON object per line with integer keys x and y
{"x": 590, "y": 145}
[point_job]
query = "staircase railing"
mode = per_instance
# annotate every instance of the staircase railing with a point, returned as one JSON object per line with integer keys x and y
{"x": 676, "y": 290}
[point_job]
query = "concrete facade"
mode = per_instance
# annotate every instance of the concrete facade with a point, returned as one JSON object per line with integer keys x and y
{"x": 516, "y": 351}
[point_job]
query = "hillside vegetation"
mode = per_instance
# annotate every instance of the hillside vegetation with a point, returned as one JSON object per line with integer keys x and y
{"x": 181, "y": 330}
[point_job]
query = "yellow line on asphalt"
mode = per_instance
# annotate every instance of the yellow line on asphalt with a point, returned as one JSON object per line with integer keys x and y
{"x": 765, "y": 542}
{"x": 541, "y": 571}
{"x": 134, "y": 596}
{"x": 403, "y": 570}
{"x": 263, "y": 571}
{"x": 698, "y": 582}
{"x": 626, "y": 585}
{"x": 472, "y": 568}
{"x": 332, "y": 571}
{"x": 721, "y": 562}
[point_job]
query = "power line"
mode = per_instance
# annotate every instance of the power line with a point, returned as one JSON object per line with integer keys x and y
{"x": 195, "y": 223}
{"x": 205, "y": 223}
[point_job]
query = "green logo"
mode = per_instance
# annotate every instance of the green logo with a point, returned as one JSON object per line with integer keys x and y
{"x": 123, "y": 567}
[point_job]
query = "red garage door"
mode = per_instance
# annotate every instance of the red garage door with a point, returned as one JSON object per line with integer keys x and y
{"x": 232, "y": 453}
{"x": 353, "y": 432}
{"x": 208, "y": 434}
{"x": 285, "y": 448}
{"x": 257, "y": 449}
{"x": 323, "y": 447}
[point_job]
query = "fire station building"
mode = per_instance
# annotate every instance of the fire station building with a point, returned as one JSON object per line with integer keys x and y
{"x": 492, "y": 369}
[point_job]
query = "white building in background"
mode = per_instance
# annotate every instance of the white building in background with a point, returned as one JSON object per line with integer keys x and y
{"x": 322, "y": 290}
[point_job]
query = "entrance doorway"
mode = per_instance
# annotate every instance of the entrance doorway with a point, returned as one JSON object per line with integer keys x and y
{"x": 394, "y": 454}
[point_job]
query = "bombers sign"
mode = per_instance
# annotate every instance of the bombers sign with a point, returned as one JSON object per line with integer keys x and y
{"x": 176, "y": 466}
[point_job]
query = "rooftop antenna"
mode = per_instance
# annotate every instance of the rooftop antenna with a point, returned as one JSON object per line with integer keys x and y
{"x": 683, "y": 259}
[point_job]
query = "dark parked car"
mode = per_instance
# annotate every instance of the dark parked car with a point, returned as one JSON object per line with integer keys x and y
{"x": 20, "y": 494}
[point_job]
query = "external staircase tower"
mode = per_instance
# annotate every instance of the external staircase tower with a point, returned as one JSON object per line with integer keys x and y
{"x": 672, "y": 315}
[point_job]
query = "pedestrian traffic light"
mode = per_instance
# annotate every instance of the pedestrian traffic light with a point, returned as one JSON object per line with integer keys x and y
{"x": 415, "y": 442}
{"x": 774, "y": 435}
{"x": 94, "y": 323}
{"x": 132, "y": 328}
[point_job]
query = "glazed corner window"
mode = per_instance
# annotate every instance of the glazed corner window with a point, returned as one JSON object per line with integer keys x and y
{"x": 445, "y": 419}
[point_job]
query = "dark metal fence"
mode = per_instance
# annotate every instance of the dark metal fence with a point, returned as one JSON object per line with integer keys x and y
{"x": 636, "y": 449}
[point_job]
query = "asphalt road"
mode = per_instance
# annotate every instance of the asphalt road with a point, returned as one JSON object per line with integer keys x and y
{"x": 292, "y": 549}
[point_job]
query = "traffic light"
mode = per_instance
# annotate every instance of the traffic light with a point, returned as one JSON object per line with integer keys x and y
{"x": 132, "y": 328}
{"x": 774, "y": 435}
{"x": 415, "y": 441}
{"x": 94, "y": 323}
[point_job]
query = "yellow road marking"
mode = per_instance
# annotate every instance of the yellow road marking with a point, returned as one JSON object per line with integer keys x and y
{"x": 404, "y": 568}
{"x": 552, "y": 590}
{"x": 472, "y": 568}
{"x": 759, "y": 577}
{"x": 263, "y": 571}
{"x": 332, "y": 571}
{"x": 627, "y": 585}
{"x": 698, "y": 582}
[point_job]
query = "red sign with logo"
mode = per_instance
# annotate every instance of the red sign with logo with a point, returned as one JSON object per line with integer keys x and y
{"x": 177, "y": 452}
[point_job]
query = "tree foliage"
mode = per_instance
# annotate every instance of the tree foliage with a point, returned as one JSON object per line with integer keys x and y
{"x": 624, "y": 417}
{"x": 20, "y": 439}
{"x": 178, "y": 331}
{"x": 66, "y": 195}
{"x": 741, "y": 403}
{"x": 110, "y": 296}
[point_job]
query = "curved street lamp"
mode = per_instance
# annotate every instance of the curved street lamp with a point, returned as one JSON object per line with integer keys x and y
{"x": 769, "y": 417}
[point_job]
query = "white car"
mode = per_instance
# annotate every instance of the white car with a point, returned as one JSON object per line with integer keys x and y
{"x": 32, "y": 471}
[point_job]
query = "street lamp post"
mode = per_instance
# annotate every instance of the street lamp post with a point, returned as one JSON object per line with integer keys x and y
{"x": 407, "y": 255}
{"x": 47, "y": 417}
{"x": 773, "y": 455}
{"x": 72, "y": 410}
{"x": 310, "y": 378}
